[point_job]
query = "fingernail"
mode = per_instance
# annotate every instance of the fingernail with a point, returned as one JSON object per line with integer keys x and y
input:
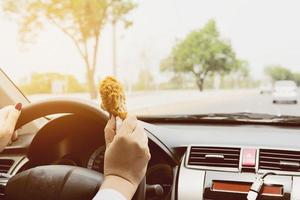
{"x": 18, "y": 106}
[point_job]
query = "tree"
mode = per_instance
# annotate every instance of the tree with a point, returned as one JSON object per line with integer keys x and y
{"x": 297, "y": 78}
{"x": 277, "y": 73}
{"x": 80, "y": 20}
{"x": 201, "y": 53}
{"x": 242, "y": 68}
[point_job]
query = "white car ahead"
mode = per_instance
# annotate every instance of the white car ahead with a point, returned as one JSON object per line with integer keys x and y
{"x": 285, "y": 91}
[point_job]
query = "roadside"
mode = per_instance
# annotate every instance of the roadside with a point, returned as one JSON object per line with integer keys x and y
{"x": 166, "y": 101}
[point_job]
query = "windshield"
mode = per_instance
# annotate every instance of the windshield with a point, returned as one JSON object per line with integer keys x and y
{"x": 173, "y": 57}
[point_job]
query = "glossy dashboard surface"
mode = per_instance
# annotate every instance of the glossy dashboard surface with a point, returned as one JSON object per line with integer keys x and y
{"x": 176, "y": 135}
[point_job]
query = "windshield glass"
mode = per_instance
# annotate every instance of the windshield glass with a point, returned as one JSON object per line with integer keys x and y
{"x": 172, "y": 56}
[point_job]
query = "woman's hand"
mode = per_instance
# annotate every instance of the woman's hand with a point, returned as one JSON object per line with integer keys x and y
{"x": 126, "y": 156}
{"x": 8, "y": 119}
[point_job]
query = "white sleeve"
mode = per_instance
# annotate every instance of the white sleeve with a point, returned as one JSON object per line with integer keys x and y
{"x": 109, "y": 194}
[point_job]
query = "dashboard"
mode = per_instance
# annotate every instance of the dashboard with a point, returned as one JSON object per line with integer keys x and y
{"x": 222, "y": 161}
{"x": 192, "y": 161}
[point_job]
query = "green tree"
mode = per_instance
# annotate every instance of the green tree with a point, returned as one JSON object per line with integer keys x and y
{"x": 201, "y": 53}
{"x": 296, "y": 77}
{"x": 277, "y": 73}
{"x": 242, "y": 68}
{"x": 80, "y": 20}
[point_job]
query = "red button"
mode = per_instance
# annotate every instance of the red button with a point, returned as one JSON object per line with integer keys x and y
{"x": 248, "y": 157}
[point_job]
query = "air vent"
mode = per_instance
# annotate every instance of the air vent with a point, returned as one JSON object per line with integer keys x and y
{"x": 5, "y": 165}
{"x": 214, "y": 157}
{"x": 282, "y": 160}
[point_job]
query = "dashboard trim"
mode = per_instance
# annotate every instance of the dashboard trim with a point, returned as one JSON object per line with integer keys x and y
{"x": 257, "y": 170}
{"x": 186, "y": 188}
{"x": 19, "y": 165}
{"x": 231, "y": 169}
{"x": 295, "y": 192}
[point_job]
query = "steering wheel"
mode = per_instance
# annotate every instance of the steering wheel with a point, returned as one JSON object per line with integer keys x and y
{"x": 59, "y": 181}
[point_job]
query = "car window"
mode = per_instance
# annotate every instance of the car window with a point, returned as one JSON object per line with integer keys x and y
{"x": 172, "y": 57}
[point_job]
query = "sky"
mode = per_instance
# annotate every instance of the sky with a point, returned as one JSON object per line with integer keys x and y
{"x": 262, "y": 32}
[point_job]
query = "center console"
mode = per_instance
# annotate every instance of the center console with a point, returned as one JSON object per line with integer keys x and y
{"x": 218, "y": 173}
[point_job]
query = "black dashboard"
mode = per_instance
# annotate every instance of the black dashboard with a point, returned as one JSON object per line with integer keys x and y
{"x": 193, "y": 161}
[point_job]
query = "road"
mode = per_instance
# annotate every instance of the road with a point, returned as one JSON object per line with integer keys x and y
{"x": 195, "y": 102}
{"x": 191, "y": 102}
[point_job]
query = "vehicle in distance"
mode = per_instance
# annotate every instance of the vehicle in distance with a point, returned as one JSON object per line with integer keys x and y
{"x": 285, "y": 91}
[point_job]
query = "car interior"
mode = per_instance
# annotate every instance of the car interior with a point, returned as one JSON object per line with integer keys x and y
{"x": 215, "y": 85}
{"x": 216, "y": 159}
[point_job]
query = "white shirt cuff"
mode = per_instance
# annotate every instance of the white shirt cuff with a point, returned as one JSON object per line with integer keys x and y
{"x": 109, "y": 194}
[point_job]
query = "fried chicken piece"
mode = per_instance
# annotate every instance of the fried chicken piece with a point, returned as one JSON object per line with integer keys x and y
{"x": 113, "y": 97}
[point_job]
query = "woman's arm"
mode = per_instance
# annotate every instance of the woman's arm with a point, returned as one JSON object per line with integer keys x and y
{"x": 8, "y": 119}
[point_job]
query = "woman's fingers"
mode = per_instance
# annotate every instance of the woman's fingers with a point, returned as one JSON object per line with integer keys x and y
{"x": 141, "y": 139}
{"x": 140, "y": 135}
{"x": 4, "y": 113}
{"x": 12, "y": 117}
{"x": 128, "y": 125}
{"x": 9, "y": 117}
{"x": 15, "y": 136}
{"x": 110, "y": 130}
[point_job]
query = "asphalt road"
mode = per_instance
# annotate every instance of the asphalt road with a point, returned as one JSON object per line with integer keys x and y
{"x": 220, "y": 102}
{"x": 195, "y": 102}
